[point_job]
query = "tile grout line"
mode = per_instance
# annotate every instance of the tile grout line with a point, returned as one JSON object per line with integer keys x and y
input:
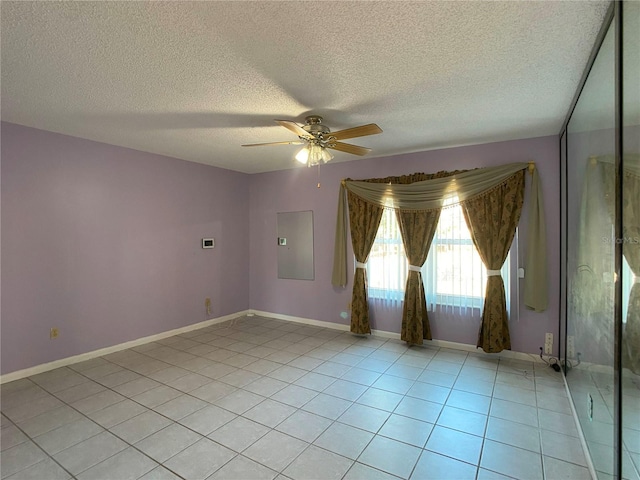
{"x": 486, "y": 428}
{"x": 109, "y": 428}
{"x": 405, "y": 395}
{"x": 150, "y": 409}
{"x": 174, "y": 421}
{"x": 39, "y": 447}
{"x": 105, "y": 429}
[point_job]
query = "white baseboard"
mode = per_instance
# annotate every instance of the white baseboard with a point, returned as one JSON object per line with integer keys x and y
{"x": 63, "y": 362}
{"x": 531, "y": 357}
{"x": 306, "y": 321}
{"x": 27, "y": 372}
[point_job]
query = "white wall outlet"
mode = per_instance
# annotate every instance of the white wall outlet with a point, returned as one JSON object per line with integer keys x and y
{"x": 571, "y": 346}
{"x": 548, "y": 344}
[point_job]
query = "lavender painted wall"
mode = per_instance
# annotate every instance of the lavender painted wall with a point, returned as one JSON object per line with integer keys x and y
{"x": 295, "y": 190}
{"x": 104, "y": 243}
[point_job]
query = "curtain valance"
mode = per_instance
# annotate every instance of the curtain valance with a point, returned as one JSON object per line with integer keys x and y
{"x": 430, "y": 194}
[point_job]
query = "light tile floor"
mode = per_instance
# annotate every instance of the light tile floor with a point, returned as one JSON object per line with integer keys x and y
{"x": 257, "y": 398}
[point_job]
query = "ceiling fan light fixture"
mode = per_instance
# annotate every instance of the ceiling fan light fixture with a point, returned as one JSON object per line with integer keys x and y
{"x": 318, "y": 154}
{"x": 326, "y": 155}
{"x": 315, "y": 154}
{"x": 303, "y": 155}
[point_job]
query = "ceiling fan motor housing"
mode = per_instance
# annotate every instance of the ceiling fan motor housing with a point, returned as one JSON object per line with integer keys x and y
{"x": 315, "y": 128}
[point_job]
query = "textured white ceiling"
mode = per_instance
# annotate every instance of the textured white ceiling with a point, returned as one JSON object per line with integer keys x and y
{"x": 195, "y": 80}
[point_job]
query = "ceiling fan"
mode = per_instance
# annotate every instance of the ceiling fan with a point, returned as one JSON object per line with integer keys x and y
{"x": 317, "y": 138}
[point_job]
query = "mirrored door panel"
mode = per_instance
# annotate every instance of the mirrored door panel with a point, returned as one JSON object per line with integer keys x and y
{"x": 590, "y": 267}
{"x": 630, "y": 344}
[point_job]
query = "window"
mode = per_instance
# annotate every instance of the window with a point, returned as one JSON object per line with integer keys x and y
{"x": 387, "y": 265}
{"x": 453, "y": 274}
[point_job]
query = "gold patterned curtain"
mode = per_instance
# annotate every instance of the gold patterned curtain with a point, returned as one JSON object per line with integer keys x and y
{"x": 425, "y": 193}
{"x": 417, "y": 229}
{"x": 364, "y": 220}
{"x": 492, "y": 219}
{"x": 429, "y": 194}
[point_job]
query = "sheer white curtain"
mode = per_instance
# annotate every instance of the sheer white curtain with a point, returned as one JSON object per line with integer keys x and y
{"x": 454, "y": 275}
{"x": 387, "y": 264}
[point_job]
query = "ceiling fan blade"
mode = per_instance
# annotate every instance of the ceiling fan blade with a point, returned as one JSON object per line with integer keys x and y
{"x": 349, "y": 148}
{"x": 361, "y": 131}
{"x": 294, "y": 127}
{"x": 295, "y": 142}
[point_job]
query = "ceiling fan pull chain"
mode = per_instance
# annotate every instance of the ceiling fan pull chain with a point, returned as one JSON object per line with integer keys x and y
{"x": 318, "y": 175}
